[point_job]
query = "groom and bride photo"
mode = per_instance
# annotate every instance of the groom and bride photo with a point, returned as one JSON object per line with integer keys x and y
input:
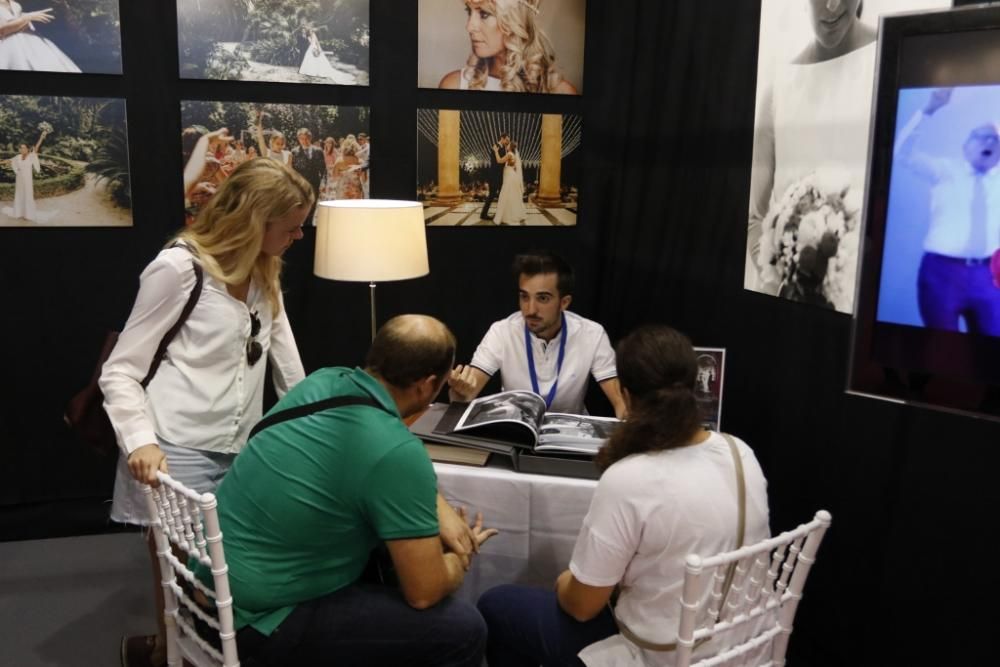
{"x": 493, "y": 168}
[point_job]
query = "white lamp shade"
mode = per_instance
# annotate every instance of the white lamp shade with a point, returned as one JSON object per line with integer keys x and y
{"x": 370, "y": 240}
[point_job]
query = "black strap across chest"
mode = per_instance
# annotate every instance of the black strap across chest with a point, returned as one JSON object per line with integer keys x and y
{"x": 312, "y": 408}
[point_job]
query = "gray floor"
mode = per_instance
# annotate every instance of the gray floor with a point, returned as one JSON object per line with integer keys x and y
{"x": 67, "y": 601}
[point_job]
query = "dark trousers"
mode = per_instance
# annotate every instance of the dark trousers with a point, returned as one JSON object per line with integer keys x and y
{"x": 527, "y": 627}
{"x": 949, "y": 287}
{"x": 492, "y": 197}
{"x": 369, "y": 625}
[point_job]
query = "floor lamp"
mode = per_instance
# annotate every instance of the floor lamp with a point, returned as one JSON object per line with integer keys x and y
{"x": 370, "y": 240}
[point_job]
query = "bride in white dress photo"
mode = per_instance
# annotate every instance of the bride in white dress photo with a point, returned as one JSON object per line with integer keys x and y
{"x": 25, "y": 164}
{"x": 510, "y": 203}
{"x": 315, "y": 63}
{"x": 22, "y": 49}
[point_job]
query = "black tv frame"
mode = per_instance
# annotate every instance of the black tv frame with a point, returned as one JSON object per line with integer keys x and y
{"x": 955, "y": 372}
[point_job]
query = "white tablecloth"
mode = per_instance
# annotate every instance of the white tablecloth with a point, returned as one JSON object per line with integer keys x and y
{"x": 538, "y": 517}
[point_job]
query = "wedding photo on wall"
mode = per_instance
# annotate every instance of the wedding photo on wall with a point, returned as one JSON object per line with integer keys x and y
{"x": 71, "y": 36}
{"x": 63, "y": 162}
{"x": 328, "y": 145}
{"x": 513, "y": 46}
{"x": 297, "y": 41}
{"x": 497, "y": 168}
{"x": 815, "y": 73}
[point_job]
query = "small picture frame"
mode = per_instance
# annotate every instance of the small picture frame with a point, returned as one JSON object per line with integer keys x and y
{"x": 708, "y": 385}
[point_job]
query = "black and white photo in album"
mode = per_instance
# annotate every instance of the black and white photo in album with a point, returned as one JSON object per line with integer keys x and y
{"x": 815, "y": 73}
{"x": 505, "y": 46}
{"x": 520, "y": 417}
{"x": 498, "y": 168}
{"x": 295, "y": 41}
{"x": 72, "y": 36}
{"x": 64, "y": 162}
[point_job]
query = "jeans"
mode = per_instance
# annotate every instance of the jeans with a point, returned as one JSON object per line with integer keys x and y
{"x": 527, "y": 627}
{"x": 370, "y": 625}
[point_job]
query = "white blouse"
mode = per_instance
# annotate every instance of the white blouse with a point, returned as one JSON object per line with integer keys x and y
{"x": 205, "y": 394}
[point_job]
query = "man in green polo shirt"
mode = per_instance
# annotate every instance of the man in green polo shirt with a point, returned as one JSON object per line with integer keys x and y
{"x": 311, "y": 496}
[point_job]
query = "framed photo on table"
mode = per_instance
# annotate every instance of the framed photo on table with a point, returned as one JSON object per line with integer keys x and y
{"x": 708, "y": 385}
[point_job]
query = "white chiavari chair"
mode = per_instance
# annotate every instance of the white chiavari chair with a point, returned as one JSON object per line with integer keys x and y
{"x": 186, "y": 527}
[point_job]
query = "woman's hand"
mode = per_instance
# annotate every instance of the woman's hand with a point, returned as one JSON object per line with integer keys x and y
{"x": 41, "y": 16}
{"x": 144, "y": 463}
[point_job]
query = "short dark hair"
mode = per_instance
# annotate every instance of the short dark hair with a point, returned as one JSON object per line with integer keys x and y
{"x": 535, "y": 262}
{"x": 408, "y": 348}
{"x": 504, "y": 134}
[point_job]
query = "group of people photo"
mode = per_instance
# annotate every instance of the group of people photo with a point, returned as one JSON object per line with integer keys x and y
{"x": 308, "y": 501}
{"x": 328, "y": 146}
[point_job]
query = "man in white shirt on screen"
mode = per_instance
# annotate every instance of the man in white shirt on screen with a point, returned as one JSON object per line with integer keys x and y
{"x": 955, "y": 278}
{"x": 543, "y": 347}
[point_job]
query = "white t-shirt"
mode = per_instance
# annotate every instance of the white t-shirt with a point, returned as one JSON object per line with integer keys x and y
{"x": 649, "y": 512}
{"x": 588, "y": 352}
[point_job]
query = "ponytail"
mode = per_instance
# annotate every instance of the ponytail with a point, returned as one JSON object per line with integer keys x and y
{"x": 657, "y": 366}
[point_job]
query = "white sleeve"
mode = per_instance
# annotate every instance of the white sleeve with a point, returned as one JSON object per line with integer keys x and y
{"x": 610, "y": 534}
{"x": 489, "y": 355}
{"x": 906, "y": 154}
{"x": 603, "y": 366}
{"x": 286, "y": 364}
{"x": 163, "y": 292}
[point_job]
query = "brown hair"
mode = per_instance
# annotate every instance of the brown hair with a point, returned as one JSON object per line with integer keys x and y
{"x": 657, "y": 365}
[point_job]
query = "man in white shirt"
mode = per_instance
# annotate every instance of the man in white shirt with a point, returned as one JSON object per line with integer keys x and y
{"x": 955, "y": 278}
{"x": 543, "y": 347}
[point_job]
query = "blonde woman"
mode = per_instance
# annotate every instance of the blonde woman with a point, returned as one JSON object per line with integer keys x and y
{"x": 196, "y": 413}
{"x": 347, "y": 170}
{"x": 509, "y": 51}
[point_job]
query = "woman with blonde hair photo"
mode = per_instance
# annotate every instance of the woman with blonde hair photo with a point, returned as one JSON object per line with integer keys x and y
{"x": 509, "y": 51}
{"x": 196, "y": 412}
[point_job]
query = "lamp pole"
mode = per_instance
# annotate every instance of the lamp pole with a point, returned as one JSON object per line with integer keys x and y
{"x": 371, "y": 292}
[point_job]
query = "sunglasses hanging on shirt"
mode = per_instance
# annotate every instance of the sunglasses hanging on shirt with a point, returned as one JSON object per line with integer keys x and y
{"x": 254, "y": 348}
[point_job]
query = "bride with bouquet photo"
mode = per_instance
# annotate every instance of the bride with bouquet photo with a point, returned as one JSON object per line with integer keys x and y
{"x": 810, "y": 147}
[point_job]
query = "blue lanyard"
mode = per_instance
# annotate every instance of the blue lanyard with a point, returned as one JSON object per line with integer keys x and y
{"x": 559, "y": 362}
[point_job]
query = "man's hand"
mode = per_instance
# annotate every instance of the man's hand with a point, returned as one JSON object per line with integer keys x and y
{"x": 459, "y": 537}
{"x": 464, "y": 383}
{"x": 938, "y": 99}
{"x": 145, "y": 461}
{"x": 456, "y": 534}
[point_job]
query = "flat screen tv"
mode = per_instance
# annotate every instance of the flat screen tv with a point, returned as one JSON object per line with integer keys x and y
{"x": 927, "y": 326}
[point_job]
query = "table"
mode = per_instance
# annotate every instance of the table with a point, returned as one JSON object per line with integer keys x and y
{"x": 538, "y": 517}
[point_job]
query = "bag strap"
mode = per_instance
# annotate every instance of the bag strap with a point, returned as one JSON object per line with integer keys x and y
{"x": 312, "y": 408}
{"x": 161, "y": 350}
{"x": 741, "y": 492}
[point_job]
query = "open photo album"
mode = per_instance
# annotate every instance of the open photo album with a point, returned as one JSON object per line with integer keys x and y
{"x": 520, "y": 418}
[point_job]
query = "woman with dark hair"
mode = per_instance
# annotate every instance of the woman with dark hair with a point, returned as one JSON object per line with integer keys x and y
{"x": 668, "y": 489}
